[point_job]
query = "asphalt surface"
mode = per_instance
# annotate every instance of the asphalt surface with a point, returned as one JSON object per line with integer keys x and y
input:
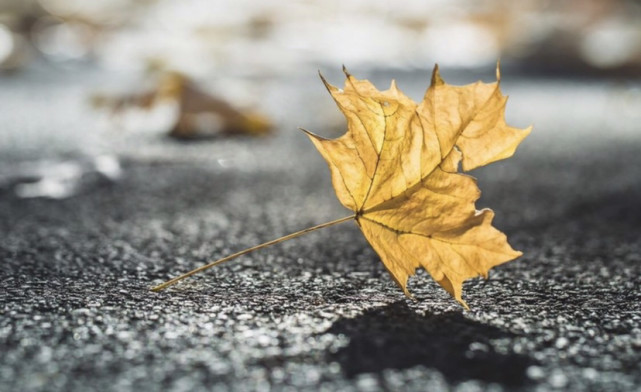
{"x": 318, "y": 312}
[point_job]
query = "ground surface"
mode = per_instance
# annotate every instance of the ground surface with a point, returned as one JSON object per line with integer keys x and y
{"x": 318, "y": 312}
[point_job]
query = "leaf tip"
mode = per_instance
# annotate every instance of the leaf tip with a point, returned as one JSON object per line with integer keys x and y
{"x": 436, "y": 77}
{"x": 346, "y": 72}
{"x": 498, "y": 70}
{"x": 328, "y": 86}
{"x": 308, "y": 132}
{"x": 314, "y": 137}
{"x": 408, "y": 294}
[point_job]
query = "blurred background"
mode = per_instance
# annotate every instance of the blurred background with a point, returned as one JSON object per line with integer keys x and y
{"x": 100, "y": 80}
{"x": 249, "y": 38}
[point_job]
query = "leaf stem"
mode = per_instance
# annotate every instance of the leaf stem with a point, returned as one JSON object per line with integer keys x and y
{"x": 177, "y": 279}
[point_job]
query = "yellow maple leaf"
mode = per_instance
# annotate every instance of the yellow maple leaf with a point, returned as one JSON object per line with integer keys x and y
{"x": 396, "y": 167}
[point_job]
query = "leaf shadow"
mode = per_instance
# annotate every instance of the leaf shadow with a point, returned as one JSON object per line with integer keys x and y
{"x": 396, "y": 337}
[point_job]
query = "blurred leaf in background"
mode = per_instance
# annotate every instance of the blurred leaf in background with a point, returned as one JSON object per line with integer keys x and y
{"x": 195, "y": 113}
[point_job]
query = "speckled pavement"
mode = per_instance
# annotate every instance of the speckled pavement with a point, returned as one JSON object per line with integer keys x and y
{"x": 318, "y": 312}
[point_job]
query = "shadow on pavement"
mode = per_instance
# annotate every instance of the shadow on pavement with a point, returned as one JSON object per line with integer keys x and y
{"x": 396, "y": 337}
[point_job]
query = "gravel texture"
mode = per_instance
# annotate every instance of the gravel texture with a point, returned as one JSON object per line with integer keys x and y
{"x": 318, "y": 312}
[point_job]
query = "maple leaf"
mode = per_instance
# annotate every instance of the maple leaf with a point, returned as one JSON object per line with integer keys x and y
{"x": 396, "y": 167}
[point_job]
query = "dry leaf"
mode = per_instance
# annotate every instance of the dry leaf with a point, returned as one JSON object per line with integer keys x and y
{"x": 396, "y": 167}
{"x": 199, "y": 113}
